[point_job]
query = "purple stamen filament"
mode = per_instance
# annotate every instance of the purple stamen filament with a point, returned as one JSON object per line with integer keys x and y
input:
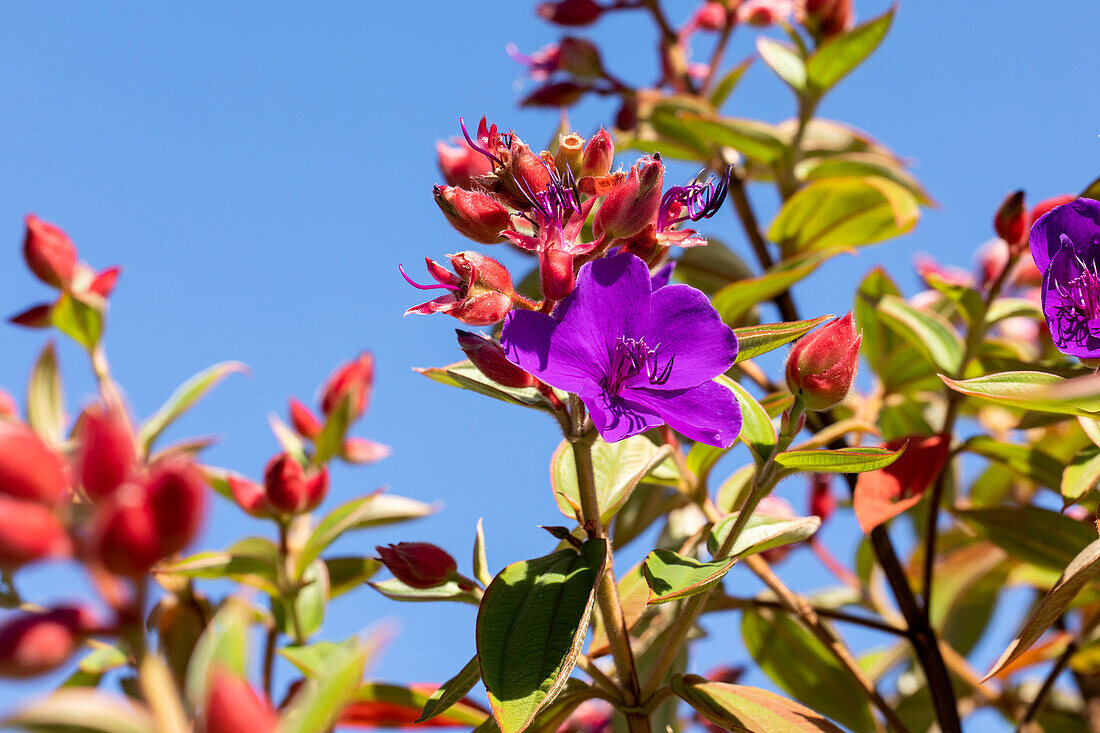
{"x": 701, "y": 200}
{"x": 417, "y": 285}
{"x": 478, "y": 148}
{"x": 633, "y": 357}
{"x": 1080, "y": 303}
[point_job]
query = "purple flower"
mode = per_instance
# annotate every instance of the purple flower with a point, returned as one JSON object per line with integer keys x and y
{"x": 1065, "y": 243}
{"x": 637, "y": 357}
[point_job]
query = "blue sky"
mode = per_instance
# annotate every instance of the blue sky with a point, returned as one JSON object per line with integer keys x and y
{"x": 260, "y": 170}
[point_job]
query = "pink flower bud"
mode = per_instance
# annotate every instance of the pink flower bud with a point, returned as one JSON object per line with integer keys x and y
{"x": 599, "y": 154}
{"x": 250, "y": 496}
{"x": 177, "y": 500}
{"x": 474, "y": 214}
{"x": 108, "y": 453}
{"x": 418, "y": 564}
{"x": 304, "y": 421}
{"x": 49, "y": 253}
{"x": 37, "y": 316}
{"x": 822, "y": 501}
{"x": 104, "y": 283}
{"x": 32, "y": 644}
{"x": 1011, "y": 221}
{"x": 488, "y": 356}
{"x": 762, "y": 13}
{"x": 290, "y": 490}
{"x": 30, "y": 469}
{"x": 361, "y": 451}
{"x": 633, "y": 204}
{"x": 7, "y": 405}
{"x": 29, "y": 532}
{"x": 355, "y": 378}
{"x": 524, "y": 171}
{"x": 711, "y": 16}
{"x": 460, "y": 163}
{"x": 481, "y": 291}
{"x": 570, "y": 12}
{"x": 822, "y": 365}
{"x": 233, "y": 706}
{"x": 825, "y": 18}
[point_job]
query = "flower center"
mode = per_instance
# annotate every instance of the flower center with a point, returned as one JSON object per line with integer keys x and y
{"x": 633, "y": 357}
{"x": 1080, "y": 302}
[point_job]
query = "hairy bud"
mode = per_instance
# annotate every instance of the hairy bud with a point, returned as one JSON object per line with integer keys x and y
{"x": 633, "y": 203}
{"x": 488, "y": 356}
{"x": 822, "y": 365}
{"x": 599, "y": 154}
{"x": 418, "y": 564}
{"x": 460, "y": 163}
{"x": 355, "y": 378}
{"x": 290, "y": 490}
{"x": 108, "y": 452}
{"x": 474, "y": 214}
{"x": 49, "y": 253}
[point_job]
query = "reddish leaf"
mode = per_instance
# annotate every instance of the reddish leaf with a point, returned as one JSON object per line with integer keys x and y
{"x": 401, "y": 711}
{"x": 883, "y": 494}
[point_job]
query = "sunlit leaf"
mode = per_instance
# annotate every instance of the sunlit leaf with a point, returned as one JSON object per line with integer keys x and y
{"x": 749, "y": 709}
{"x": 671, "y": 576}
{"x": 836, "y": 57}
{"x": 185, "y": 397}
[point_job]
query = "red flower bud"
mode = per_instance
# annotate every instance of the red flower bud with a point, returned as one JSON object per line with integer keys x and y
{"x": 481, "y": 290}
{"x": 7, "y": 406}
{"x": 1011, "y": 221}
{"x": 233, "y": 706}
{"x": 249, "y": 495}
{"x": 418, "y": 564}
{"x": 104, "y": 283}
{"x": 304, "y": 421}
{"x": 711, "y": 16}
{"x": 626, "y": 119}
{"x": 360, "y": 451}
{"x": 556, "y": 273}
{"x": 474, "y": 214}
{"x": 108, "y": 453}
{"x": 290, "y": 490}
{"x": 822, "y": 365}
{"x": 762, "y": 13}
{"x": 524, "y": 171}
{"x": 355, "y": 378}
{"x": 37, "y": 316}
{"x": 825, "y": 18}
{"x": 35, "y": 643}
{"x": 177, "y": 498}
{"x": 29, "y": 532}
{"x": 599, "y": 154}
{"x": 460, "y": 164}
{"x": 570, "y": 12}
{"x": 631, "y": 205}
{"x": 822, "y": 501}
{"x": 488, "y": 356}
{"x": 49, "y": 253}
{"x": 30, "y": 469}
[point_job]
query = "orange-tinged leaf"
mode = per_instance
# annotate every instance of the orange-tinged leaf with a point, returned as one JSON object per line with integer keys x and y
{"x": 887, "y": 492}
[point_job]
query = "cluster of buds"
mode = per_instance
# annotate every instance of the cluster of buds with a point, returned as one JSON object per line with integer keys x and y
{"x": 822, "y": 365}
{"x": 52, "y": 258}
{"x": 542, "y": 203}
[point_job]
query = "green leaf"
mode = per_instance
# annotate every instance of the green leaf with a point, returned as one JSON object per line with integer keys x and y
{"x": 800, "y": 664}
{"x": 309, "y": 605}
{"x": 967, "y": 300}
{"x": 1036, "y": 391}
{"x": 784, "y": 61}
{"x": 224, "y": 643}
{"x": 481, "y": 562}
{"x": 926, "y": 330}
{"x": 1081, "y": 475}
{"x": 734, "y": 490}
{"x": 392, "y": 509}
{"x": 738, "y": 298}
{"x": 752, "y": 138}
{"x": 335, "y": 430}
{"x": 465, "y": 375}
{"x": 530, "y": 629}
{"x": 969, "y": 580}
{"x": 671, "y": 576}
{"x": 618, "y": 467}
{"x": 348, "y": 573}
{"x": 670, "y": 126}
{"x": 1038, "y": 536}
{"x": 846, "y": 165}
{"x": 1026, "y": 460}
{"x": 315, "y": 708}
{"x": 185, "y": 397}
{"x": 252, "y": 561}
{"x": 842, "y": 460}
{"x": 762, "y": 532}
{"x": 84, "y": 710}
{"x": 45, "y": 400}
{"x": 449, "y": 591}
{"x": 728, "y": 83}
{"x": 756, "y": 340}
{"x": 757, "y": 431}
{"x": 103, "y": 659}
{"x": 1003, "y": 308}
{"x": 835, "y": 58}
{"x": 843, "y": 212}
{"x": 341, "y": 519}
{"x": 452, "y": 690}
{"x": 289, "y": 440}
{"x": 80, "y": 318}
{"x": 741, "y": 708}
{"x": 312, "y": 659}
{"x": 1079, "y": 571}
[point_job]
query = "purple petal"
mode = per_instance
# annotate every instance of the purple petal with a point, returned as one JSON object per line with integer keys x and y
{"x": 615, "y": 417}
{"x": 662, "y": 276}
{"x": 688, "y": 329}
{"x": 550, "y": 350}
{"x": 708, "y": 413}
{"x": 610, "y": 300}
{"x": 1079, "y": 219}
{"x": 1072, "y": 332}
